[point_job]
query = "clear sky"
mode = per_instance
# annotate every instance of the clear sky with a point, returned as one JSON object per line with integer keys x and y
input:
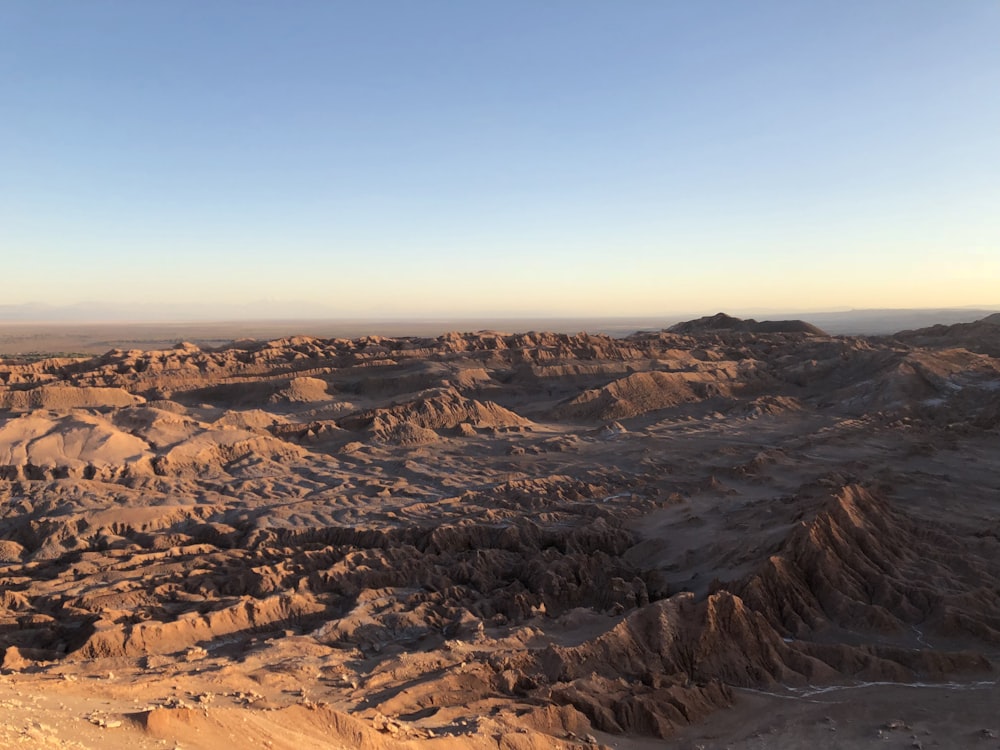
{"x": 538, "y": 157}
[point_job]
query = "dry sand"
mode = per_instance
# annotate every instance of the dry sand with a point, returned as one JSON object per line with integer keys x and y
{"x": 710, "y": 538}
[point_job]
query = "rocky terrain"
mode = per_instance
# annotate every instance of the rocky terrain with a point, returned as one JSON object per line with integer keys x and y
{"x": 698, "y": 537}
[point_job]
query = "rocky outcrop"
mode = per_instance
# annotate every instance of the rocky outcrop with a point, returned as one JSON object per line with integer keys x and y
{"x": 416, "y": 421}
{"x": 641, "y": 393}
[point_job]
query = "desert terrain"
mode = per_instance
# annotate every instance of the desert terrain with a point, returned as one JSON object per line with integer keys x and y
{"x": 725, "y": 534}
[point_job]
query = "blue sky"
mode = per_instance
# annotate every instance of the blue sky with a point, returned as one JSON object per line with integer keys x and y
{"x": 560, "y": 157}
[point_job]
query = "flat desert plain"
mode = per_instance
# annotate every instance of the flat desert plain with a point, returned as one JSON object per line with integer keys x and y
{"x": 727, "y": 534}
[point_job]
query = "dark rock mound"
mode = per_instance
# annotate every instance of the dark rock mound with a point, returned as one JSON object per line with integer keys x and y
{"x": 722, "y": 322}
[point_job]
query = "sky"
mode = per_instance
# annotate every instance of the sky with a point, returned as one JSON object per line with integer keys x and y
{"x": 507, "y": 158}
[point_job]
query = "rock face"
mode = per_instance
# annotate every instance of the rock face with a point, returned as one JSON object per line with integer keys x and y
{"x": 531, "y": 536}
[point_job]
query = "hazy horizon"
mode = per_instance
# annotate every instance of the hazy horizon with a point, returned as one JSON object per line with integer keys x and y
{"x": 446, "y": 159}
{"x": 73, "y": 335}
{"x": 94, "y": 313}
